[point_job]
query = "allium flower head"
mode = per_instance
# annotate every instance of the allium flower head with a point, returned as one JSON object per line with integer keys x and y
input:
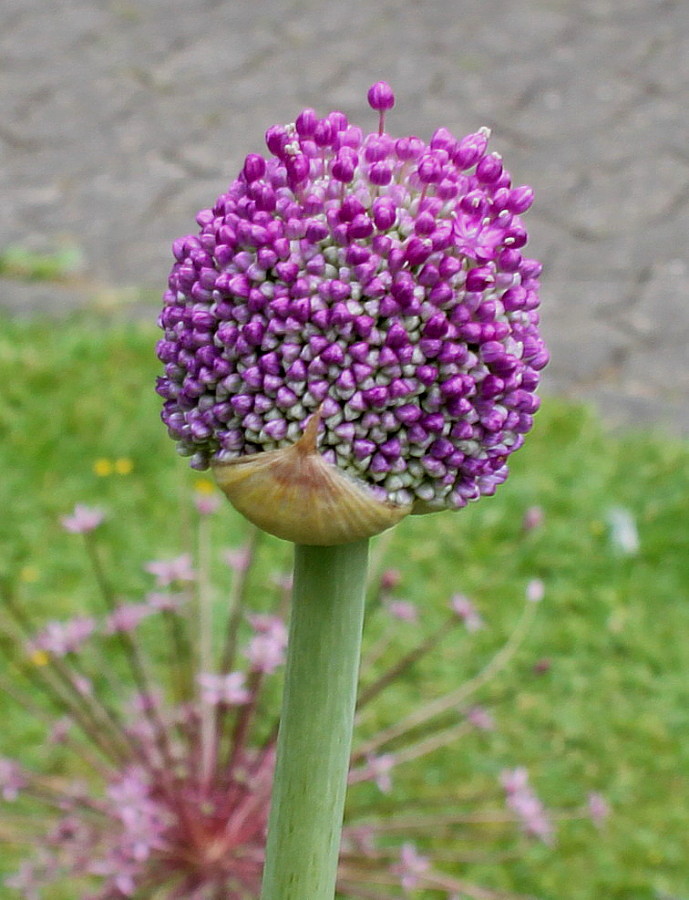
{"x": 379, "y": 283}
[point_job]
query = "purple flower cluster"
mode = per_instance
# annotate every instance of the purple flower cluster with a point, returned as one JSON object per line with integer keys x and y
{"x": 165, "y": 780}
{"x": 526, "y": 805}
{"x": 380, "y": 281}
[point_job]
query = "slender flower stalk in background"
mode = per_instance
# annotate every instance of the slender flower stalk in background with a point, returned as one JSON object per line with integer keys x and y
{"x": 351, "y": 337}
{"x": 140, "y": 798}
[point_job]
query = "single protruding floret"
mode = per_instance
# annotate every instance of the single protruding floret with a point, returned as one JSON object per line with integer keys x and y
{"x": 380, "y": 97}
{"x": 379, "y": 284}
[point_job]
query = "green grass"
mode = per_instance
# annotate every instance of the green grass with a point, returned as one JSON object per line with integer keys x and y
{"x": 611, "y": 711}
{"x": 28, "y": 265}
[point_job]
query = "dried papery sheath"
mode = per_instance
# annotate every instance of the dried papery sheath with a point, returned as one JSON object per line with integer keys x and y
{"x": 378, "y": 282}
{"x": 316, "y": 502}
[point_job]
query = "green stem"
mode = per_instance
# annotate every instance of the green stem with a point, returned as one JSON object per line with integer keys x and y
{"x": 315, "y": 736}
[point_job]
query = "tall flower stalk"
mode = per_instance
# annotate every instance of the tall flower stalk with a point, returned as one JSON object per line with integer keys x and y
{"x": 351, "y": 337}
{"x": 130, "y": 803}
{"x": 316, "y": 726}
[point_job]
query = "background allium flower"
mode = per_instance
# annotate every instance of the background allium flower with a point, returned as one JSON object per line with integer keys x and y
{"x": 481, "y": 718}
{"x": 11, "y": 779}
{"x": 533, "y": 518}
{"x": 523, "y": 801}
{"x": 266, "y": 649}
{"x": 467, "y": 612}
{"x": 535, "y": 590}
{"x": 411, "y": 867}
{"x": 168, "y": 571}
{"x": 174, "y": 751}
{"x": 60, "y": 638}
{"x": 403, "y": 610}
{"x": 598, "y": 807}
{"x": 229, "y": 688}
{"x": 128, "y": 616}
{"x": 379, "y": 281}
{"x": 83, "y": 519}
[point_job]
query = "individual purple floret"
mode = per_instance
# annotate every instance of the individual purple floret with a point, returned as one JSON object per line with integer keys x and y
{"x": 380, "y": 281}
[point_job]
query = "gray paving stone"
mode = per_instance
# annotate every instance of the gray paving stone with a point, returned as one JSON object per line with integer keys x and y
{"x": 120, "y": 119}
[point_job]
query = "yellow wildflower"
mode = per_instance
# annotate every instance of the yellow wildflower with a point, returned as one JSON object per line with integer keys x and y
{"x": 29, "y": 574}
{"x": 124, "y": 465}
{"x": 102, "y": 467}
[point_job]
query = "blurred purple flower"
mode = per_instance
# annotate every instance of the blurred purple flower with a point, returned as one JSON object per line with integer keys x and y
{"x": 411, "y": 867}
{"x": 598, "y": 807}
{"x": 83, "y": 519}
{"x": 467, "y": 612}
{"x": 207, "y": 504}
{"x": 12, "y": 779}
{"x": 402, "y": 610}
{"x": 390, "y": 579}
{"x": 378, "y": 769}
{"x": 522, "y": 800}
{"x": 239, "y": 559}
{"x": 535, "y": 590}
{"x": 266, "y": 649}
{"x": 164, "y": 601}
{"x": 127, "y": 617}
{"x": 533, "y": 518}
{"x": 481, "y": 718}
{"x": 169, "y": 571}
{"x": 61, "y": 638}
{"x": 180, "y": 758}
{"x": 230, "y": 689}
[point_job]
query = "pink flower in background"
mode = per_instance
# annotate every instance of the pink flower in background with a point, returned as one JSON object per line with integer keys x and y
{"x": 390, "y": 579}
{"x": 82, "y": 685}
{"x": 238, "y": 559}
{"x": 163, "y": 601}
{"x": 402, "y": 610}
{"x": 411, "y": 867}
{"x": 12, "y": 779}
{"x": 127, "y": 617}
{"x": 481, "y": 718}
{"x": 379, "y": 769}
{"x": 528, "y": 808}
{"x": 230, "y": 689}
{"x": 533, "y": 518}
{"x": 598, "y": 807}
{"x": 465, "y": 609}
{"x": 175, "y": 759}
{"x": 28, "y": 880}
{"x": 83, "y": 519}
{"x": 535, "y": 590}
{"x": 61, "y": 638}
{"x": 266, "y": 649}
{"x": 168, "y": 571}
{"x": 207, "y": 504}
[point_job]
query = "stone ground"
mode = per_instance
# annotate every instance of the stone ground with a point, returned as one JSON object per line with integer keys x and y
{"x": 118, "y": 120}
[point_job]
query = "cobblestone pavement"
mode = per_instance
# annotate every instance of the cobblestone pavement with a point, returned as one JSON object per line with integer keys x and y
{"x": 118, "y": 120}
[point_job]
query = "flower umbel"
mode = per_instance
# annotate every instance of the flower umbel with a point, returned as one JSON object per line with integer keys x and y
{"x": 373, "y": 285}
{"x": 164, "y": 806}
